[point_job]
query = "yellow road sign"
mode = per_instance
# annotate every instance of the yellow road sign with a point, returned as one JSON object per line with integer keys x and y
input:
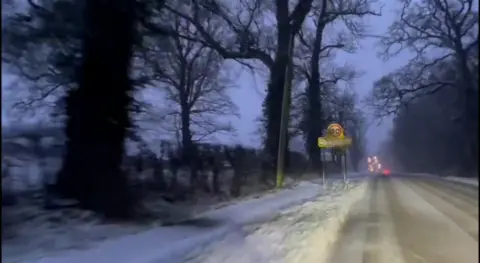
{"x": 322, "y": 142}
{"x": 329, "y": 142}
{"x": 335, "y": 130}
{"x": 335, "y": 137}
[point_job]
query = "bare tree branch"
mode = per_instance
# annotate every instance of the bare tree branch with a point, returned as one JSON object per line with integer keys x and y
{"x": 191, "y": 77}
{"x": 441, "y": 34}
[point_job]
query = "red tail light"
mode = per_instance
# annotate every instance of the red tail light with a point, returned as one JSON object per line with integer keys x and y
{"x": 386, "y": 172}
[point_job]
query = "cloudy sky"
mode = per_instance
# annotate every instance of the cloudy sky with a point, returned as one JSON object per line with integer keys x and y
{"x": 250, "y": 90}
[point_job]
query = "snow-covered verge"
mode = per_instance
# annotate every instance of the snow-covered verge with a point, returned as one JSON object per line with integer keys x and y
{"x": 81, "y": 237}
{"x": 463, "y": 180}
{"x": 302, "y": 234}
{"x": 420, "y": 175}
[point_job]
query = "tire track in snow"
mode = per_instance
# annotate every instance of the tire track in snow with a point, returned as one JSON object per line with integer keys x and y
{"x": 450, "y": 205}
{"x": 371, "y": 249}
{"x": 365, "y": 236}
{"x": 423, "y": 229}
{"x": 468, "y": 205}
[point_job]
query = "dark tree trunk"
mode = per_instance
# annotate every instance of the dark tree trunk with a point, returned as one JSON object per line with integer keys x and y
{"x": 314, "y": 107}
{"x": 315, "y": 122}
{"x": 67, "y": 184}
{"x": 214, "y": 163}
{"x": 216, "y": 181}
{"x": 235, "y": 160}
{"x": 189, "y": 156}
{"x": 470, "y": 116}
{"x": 187, "y": 144}
{"x": 98, "y": 113}
{"x": 159, "y": 175}
{"x": 236, "y": 184}
{"x": 174, "y": 165}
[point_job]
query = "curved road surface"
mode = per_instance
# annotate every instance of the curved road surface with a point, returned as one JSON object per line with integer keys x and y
{"x": 411, "y": 220}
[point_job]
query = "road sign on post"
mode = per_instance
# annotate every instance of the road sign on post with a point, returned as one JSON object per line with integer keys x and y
{"x": 322, "y": 159}
{"x": 335, "y": 138}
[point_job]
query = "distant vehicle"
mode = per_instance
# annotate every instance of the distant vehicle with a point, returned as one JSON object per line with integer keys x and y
{"x": 374, "y": 165}
{"x": 373, "y": 168}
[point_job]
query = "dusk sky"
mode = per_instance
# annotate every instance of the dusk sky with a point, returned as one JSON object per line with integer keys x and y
{"x": 248, "y": 95}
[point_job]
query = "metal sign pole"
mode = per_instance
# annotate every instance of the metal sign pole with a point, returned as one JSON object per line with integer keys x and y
{"x": 335, "y": 138}
{"x": 345, "y": 167}
{"x": 322, "y": 160}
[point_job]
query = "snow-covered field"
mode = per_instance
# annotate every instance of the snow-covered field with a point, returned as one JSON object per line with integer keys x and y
{"x": 289, "y": 238}
{"x": 72, "y": 236}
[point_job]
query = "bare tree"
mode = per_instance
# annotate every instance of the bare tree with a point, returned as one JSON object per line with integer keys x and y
{"x": 191, "y": 77}
{"x": 430, "y": 148}
{"x": 422, "y": 133}
{"x": 435, "y": 31}
{"x": 346, "y": 14}
{"x": 355, "y": 125}
{"x": 195, "y": 83}
{"x": 98, "y": 116}
{"x": 443, "y": 36}
{"x": 41, "y": 48}
{"x": 249, "y": 36}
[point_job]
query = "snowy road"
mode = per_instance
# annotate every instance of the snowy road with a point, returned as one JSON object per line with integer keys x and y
{"x": 172, "y": 243}
{"x": 401, "y": 219}
{"x": 410, "y": 220}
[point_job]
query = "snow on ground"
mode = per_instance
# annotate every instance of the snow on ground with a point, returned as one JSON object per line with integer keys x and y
{"x": 73, "y": 236}
{"x": 302, "y": 234}
{"x": 49, "y": 231}
{"x": 463, "y": 180}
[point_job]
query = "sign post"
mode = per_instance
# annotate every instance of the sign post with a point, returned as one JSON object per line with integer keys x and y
{"x": 335, "y": 138}
{"x": 322, "y": 159}
{"x": 345, "y": 166}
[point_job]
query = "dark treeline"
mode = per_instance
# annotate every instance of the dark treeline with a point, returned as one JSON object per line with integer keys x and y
{"x": 434, "y": 97}
{"x": 89, "y": 60}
